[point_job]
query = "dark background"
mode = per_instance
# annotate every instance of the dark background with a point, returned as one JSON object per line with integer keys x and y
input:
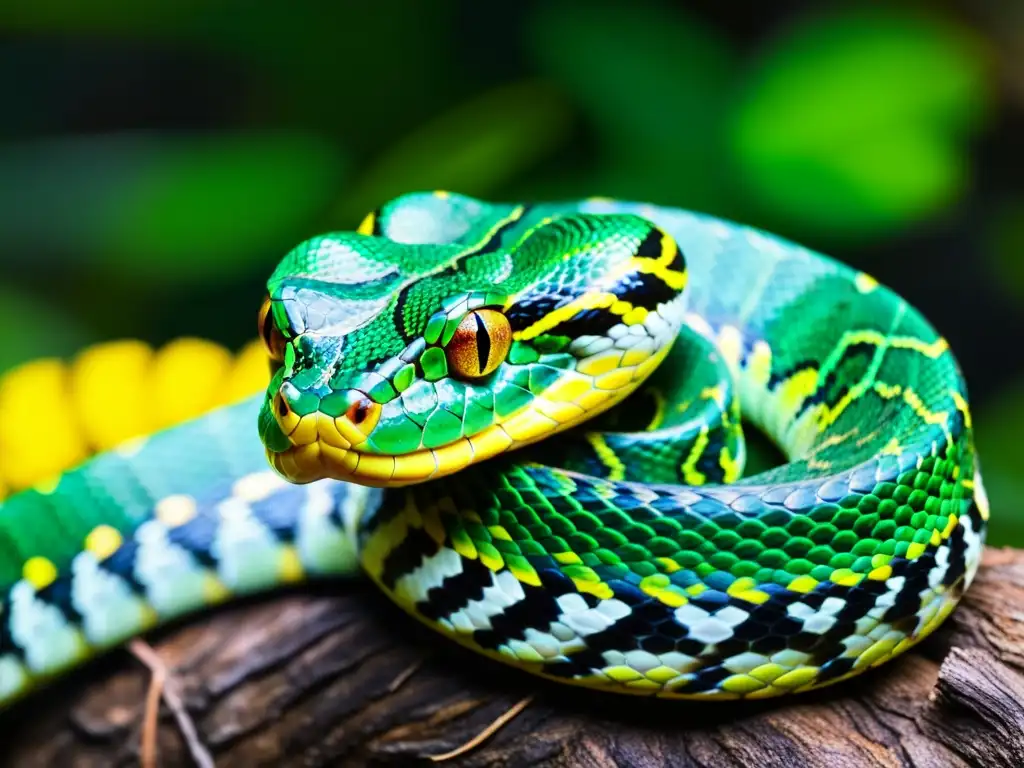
{"x": 156, "y": 160}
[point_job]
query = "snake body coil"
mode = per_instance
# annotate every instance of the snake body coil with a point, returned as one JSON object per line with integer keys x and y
{"x": 423, "y": 366}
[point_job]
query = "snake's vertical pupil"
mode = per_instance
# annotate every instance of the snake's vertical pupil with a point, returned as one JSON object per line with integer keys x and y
{"x": 480, "y": 344}
{"x": 483, "y": 342}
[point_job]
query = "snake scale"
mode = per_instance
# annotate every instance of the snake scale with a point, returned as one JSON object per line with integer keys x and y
{"x": 525, "y": 423}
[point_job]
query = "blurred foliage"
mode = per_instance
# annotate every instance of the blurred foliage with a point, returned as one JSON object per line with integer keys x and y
{"x": 139, "y": 203}
{"x": 32, "y": 324}
{"x": 156, "y": 160}
{"x": 474, "y": 148}
{"x": 657, "y": 110}
{"x": 1007, "y": 246}
{"x": 998, "y": 428}
{"x": 853, "y": 123}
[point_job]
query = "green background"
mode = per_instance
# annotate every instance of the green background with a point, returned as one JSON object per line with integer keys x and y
{"x": 156, "y": 160}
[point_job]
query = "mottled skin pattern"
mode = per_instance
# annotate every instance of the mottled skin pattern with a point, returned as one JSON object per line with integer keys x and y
{"x": 625, "y": 554}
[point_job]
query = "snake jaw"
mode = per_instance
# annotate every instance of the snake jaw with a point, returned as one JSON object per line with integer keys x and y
{"x": 350, "y": 436}
{"x": 322, "y": 446}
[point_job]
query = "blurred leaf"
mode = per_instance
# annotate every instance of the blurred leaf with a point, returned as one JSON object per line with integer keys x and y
{"x": 998, "y": 430}
{"x": 366, "y": 72}
{"x": 855, "y": 122}
{"x": 33, "y": 328}
{"x": 95, "y": 16}
{"x": 322, "y": 61}
{"x": 208, "y": 205}
{"x": 654, "y": 83}
{"x": 473, "y": 149}
{"x": 1007, "y": 247}
{"x": 167, "y": 207}
{"x": 762, "y": 453}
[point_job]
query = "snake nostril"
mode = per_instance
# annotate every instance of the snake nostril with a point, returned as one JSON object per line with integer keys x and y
{"x": 360, "y": 410}
{"x": 281, "y": 406}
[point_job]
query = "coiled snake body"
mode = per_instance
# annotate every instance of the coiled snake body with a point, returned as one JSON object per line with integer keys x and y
{"x": 627, "y": 552}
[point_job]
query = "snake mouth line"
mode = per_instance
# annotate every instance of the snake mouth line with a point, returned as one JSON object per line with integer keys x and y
{"x": 322, "y": 446}
{"x": 320, "y": 450}
{"x": 320, "y": 459}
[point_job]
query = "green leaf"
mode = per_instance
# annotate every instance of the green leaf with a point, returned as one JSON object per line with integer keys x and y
{"x": 654, "y": 83}
{"x": 855, "y": 123}
{"x": 170, "y": 208}
{"x": 998, "y": 430}
{"x": 474, "y": 149}
{"x": 33, "y": 328}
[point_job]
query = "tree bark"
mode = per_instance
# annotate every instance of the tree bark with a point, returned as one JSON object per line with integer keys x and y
{"x": 337, "y": 676}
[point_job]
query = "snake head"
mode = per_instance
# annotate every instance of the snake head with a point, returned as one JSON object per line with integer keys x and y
{"x": 398, "y": 361}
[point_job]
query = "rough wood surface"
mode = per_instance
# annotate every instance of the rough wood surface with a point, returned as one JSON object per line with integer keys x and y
{"x": 339, "y": 677}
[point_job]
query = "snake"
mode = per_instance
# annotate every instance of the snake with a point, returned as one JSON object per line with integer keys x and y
{"x": 528, "y": 425}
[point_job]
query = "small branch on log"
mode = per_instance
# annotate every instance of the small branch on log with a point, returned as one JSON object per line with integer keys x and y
{"x": 485, "y": 734}
{"x": 335, "y": 675}
{"x": 161, "y": 688}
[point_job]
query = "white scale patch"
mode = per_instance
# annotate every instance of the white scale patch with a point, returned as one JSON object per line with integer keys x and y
{"x": 175, "y": 581}
{"x": 972, "y": 553}
{"x": 248, "y": 554}
{"x": 111, "y": 611}
{"x": 893, "y": 586}
{"x": 41, "y": 630}
{"x": 817, "y": 621}
{"x": 503, "y": 592}
{"x": 587, "y": 346}
{"x": 661, "y": 331}
{"x": 710, "y": 628}
{"x": 566, "y": 634}
{"x": 413, "y": 586}
{"x": 938, "y": 572}
{"x": 583, "y": 620}
{"x": 935, "y": 595}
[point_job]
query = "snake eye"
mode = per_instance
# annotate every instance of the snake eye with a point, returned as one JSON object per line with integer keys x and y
{"x": 272, "y": 337}
{"x": 480, "y": 344}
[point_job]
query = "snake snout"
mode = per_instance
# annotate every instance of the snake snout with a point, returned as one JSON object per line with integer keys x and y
{"x": 339, "y": 419}
{"x": 284, "y": 408}
{"x": 297, "y": 413}
{"x": 352, "y": 417}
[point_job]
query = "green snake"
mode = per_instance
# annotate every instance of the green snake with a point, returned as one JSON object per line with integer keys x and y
{"x": 525, "y": 423}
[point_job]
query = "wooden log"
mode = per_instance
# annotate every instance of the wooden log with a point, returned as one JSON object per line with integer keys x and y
{"x": 337, "y": 676}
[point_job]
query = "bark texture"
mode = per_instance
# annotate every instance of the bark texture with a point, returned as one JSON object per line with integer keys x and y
{"x": 339, "y": 677}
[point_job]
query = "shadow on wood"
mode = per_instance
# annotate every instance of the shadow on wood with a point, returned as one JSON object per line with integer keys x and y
{"x": 340, "y": 677}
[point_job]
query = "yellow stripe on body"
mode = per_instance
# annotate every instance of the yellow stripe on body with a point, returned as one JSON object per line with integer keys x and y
{"x": 583, "y": 302}
{"x": 961, "y": 405}
{"x": 616, "y": 469}
{"x": 689, "y": 468}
